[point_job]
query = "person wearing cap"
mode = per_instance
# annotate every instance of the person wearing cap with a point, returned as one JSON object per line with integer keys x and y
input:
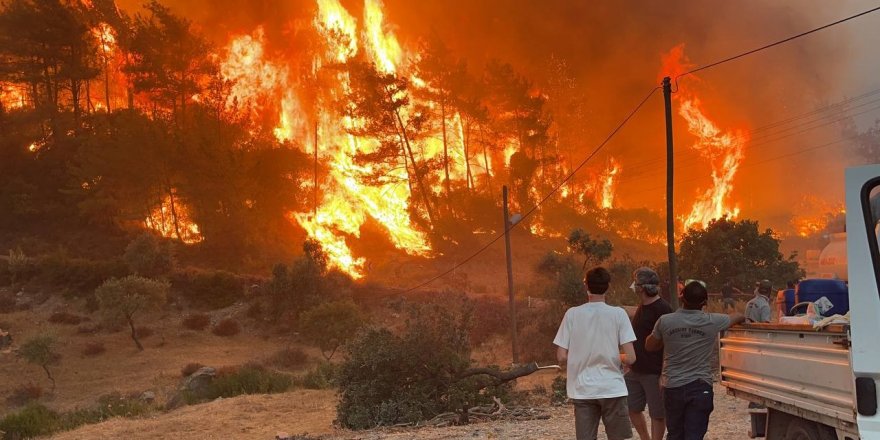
{"x": 594, "y": 342}
{"x": 758, "y": 308}
{"x": 688, "y": 339}
{"x": 643, "y": 379}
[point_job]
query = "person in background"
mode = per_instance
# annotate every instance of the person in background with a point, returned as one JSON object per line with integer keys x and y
{"x": 687, "y": 338}
{"x": 589, "y": 345}
{"x": 643, "y": 379}
{"x": 727, "y": 298}
{"x": 758, "y": 308}
{"x": 786, "y": 299}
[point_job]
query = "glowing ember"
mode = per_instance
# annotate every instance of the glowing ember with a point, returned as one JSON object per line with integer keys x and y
{"x": 171, "y": 219}
{"x": 723, "y": 149}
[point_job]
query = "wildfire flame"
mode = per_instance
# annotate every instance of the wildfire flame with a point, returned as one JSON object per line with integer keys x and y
{"x": 11, "y": 96}
{"x": 261, "y": 84}
{"x": 171, "y": 219}
{"x": 608, "y": 181}
{"x": 723, "y": 149}
{"x": 814, "y": 215}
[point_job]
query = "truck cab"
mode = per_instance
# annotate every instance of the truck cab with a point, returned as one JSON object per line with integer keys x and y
{"x": 820, "y": 384}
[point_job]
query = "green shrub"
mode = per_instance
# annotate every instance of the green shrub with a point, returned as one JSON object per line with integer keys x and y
{"x": 491, "y": 317}
{"x": 289, "y": 358}
{"x": 23, "y": 394}
{"x": 34, "y": 420}
{"x": 107, "y": 407}
{"x": 330, "y": 325}
{"x": 322, "y": 377}
{"x": 247, "y": 379}
{"x": 210, "y": 289}
{"x": 40, "y": 351}
{"x": 560, "y": 393}
{"x": 149, "y": 256}
{"x": 409, "y": 377}
{"x": 79, "y": 275}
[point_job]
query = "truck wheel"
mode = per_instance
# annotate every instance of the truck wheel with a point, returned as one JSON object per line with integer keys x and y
{"x": 800, "y": 429}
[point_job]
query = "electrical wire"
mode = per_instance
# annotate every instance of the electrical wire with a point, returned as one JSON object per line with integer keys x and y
{"x": 546, "y": 197}
{"x": 777, "y": 43}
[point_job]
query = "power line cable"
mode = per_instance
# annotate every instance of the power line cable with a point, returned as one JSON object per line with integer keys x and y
{"x": 777, "y": 43}
{"x": 640, "y": 175}
{"x": 839, "y": 108}
{"x": 556, "y": 188}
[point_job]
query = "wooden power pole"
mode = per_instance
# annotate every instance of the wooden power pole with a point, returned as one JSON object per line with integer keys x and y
{"x": 507, "y": 225}
{"x": 670, "y": 216}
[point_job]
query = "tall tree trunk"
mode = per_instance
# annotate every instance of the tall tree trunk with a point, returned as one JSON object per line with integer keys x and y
{"x": 174, "y": 213}
{"x": 486, "y": 161}
{"x": 316, "y": 171}
{"x": 106, "y": 77}
{"x": 465, "y": 144}
{"x": 422, "y": 188}
{"x": 445, "y": 143}
{"x": 134, "y": 335}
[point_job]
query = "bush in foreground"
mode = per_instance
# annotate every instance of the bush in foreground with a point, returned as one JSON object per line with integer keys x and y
{"x": 389, "y": 378}
{"x": 331, "y": 324}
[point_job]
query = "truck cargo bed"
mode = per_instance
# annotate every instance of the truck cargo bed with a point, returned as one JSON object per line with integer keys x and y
{"x": 793, "y": 369}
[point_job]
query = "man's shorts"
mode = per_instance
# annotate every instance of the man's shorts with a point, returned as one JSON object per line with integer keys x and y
{"x": 644, "y": 389}
{"x": 612, "y": 412}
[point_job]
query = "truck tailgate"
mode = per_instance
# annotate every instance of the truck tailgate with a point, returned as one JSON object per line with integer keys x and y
{"x": 796, "y": 370}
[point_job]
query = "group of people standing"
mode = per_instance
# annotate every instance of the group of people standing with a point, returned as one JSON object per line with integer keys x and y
{"x": 660, "y": 360}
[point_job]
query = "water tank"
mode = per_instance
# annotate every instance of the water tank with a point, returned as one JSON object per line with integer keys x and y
{"x": 832, "y": 260}
{"x": 835, "y": 290}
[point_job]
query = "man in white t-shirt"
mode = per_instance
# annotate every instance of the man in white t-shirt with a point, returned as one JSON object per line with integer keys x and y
{"x": 590, "y": 340}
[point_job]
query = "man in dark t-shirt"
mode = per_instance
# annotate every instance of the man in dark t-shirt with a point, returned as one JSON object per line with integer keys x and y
{"x": 727, "y": 299}
{"x": 643, "y": 379}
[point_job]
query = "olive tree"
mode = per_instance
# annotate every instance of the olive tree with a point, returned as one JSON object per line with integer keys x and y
{"x": 40, "y": 350}
{"x": 331, "y": 325}
{"x": 122, "y": 299}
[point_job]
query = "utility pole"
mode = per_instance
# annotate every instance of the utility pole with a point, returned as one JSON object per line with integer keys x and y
{"x": 670, "y": 216}
{"x": 507, "y": 226}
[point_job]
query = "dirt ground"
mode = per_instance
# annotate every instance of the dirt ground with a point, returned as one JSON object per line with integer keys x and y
{"x": 82, "y": 379}
{"x": 312, "y": 412}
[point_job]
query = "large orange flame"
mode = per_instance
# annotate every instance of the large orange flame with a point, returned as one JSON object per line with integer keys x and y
{"x": 261, "y": 84}
{"x": 608, "y": 180}
{"x": 11, "y": 96}
{"x": 723, "y": 149}
{"x": 171, "y": 219}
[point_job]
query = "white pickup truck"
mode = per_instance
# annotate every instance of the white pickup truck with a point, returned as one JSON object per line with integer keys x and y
{"x": 820, "y": 385}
